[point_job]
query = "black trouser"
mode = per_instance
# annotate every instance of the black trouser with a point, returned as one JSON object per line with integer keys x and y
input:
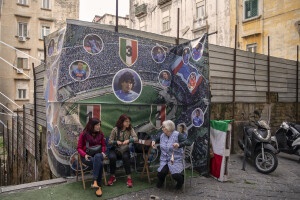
{"x": 178, "y": 177}
{"x": 113, "y": 156}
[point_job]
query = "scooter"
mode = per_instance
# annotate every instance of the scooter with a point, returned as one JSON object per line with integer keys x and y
{"x": 256, "y": 146}
{"x": 287, "y": 138}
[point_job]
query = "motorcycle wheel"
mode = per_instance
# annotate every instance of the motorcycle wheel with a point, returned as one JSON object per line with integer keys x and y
{"x": 270, "y": 163}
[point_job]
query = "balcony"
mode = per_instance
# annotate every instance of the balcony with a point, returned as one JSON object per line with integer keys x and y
{"x": 162, "y": 2}
{"x": 141, "y": 10}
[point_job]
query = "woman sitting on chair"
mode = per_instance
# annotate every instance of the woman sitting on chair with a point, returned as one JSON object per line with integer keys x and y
{"x": 171, "y": 143}
{"x": 92, "y": 136}
{"x": 120, "y": 138}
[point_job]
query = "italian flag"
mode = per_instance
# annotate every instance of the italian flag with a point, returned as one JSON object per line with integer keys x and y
{"x": 89, "y": 111}
{"x": 218, "y": 133}
{"x": 200, "y": 78}
{"x": 128, "y": 51}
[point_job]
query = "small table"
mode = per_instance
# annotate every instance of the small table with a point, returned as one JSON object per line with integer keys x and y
{"x": 146, "y": 143}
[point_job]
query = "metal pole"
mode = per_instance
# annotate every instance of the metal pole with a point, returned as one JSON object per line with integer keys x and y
{"x": 13, "y": 151}
{"x": 24, "y": 149}
{"x": 18, "y": 132}
{"x": 269, "y": 97}
{"x": 117, "y": 16}
{"x": 4, "y": 154}
{"x": 233, "y": 90}
{"x": 178, "y": 15}
{"x": 297, "y": 85}
{"x": 0, "y": 172}
{"x": 35, "y": 113}
{"x": 8, "y": 154}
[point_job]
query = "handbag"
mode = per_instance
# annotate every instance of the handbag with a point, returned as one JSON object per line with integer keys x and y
{"x": 123, "y": 148}
{"x": 91, "y": 151}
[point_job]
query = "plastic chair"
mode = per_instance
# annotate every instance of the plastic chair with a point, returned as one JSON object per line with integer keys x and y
{"x": 82, "y": 172}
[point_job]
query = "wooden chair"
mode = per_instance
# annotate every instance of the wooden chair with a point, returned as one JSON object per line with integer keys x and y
{"x": 79, "y": 162}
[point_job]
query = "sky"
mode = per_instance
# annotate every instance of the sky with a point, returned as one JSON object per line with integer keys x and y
{"x": 89, "y": 8}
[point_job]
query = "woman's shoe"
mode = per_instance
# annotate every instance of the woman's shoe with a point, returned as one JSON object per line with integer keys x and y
{"x": 99, "y": 192}
{"x": 94, "y": 185}
{"x": 129, "y": 182}
{"x": 111, "y": 180}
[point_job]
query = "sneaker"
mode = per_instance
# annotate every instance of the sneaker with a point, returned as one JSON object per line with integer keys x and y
{"x": 129, "y": 182}
{"x": 94, "y": 185}
{"x": 111, "y": 180}
{"x": 99, "y": 192}
{"x": 178, "y": 186}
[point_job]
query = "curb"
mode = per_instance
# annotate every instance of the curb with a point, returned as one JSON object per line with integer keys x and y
{"x": 15, "y": 188}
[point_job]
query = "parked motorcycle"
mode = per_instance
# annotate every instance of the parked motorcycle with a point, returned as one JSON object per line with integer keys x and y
{"x": 256, "y": 146}
{"x": 287, "y": 138}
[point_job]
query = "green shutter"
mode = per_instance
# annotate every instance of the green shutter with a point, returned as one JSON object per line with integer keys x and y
{"x": 251, "y": 8}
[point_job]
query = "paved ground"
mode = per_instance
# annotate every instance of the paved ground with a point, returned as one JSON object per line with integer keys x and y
{"x": 283, "y": 183}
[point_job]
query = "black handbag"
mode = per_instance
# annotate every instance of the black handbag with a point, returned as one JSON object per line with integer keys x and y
{"x": 91, "y": 151}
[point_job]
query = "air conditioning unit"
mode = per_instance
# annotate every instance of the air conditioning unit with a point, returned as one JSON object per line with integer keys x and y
{"x": 22, "y": 38}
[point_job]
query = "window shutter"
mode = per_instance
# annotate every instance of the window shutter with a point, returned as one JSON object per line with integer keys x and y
{"x": 25, "y": 30}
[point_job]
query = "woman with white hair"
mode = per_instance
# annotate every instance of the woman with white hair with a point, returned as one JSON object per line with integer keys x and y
{"x": 171, "y": 143}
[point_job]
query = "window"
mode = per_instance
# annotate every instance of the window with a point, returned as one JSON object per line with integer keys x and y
{"x": 251, "y": 47}
{"x": 46, "y": 4}
{"x": 22, "y": 29}
{"x": 22, "y": 63}
{"x": 166, "y": 23}
{"x": 200, "y": 9}
{"x": 21, "y": 93}
{"x": 250, "y": 8}
{"x": 23, "y": 2}
{"x": 45, "y": 31}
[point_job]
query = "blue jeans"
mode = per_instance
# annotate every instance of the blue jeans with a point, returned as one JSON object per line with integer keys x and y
{"x": 96, "y": 163}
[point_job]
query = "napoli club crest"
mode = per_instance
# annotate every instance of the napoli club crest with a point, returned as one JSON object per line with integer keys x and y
{"x": 128, "y": 51}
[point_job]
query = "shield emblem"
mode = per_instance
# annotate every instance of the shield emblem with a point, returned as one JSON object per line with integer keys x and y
{"x": 128, "y": 51}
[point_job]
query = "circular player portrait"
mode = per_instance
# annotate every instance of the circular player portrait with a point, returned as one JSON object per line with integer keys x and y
{"x": 49, "y": 139}
{"x": 73, "y": 163}
{"x": 197, "y": 117}
{"x": 56, "y": 136}
{"x": 93, "y": 44}
{"x": 181, "y": 128}
{"x": 192, "y": 80}
{"x": 79, "y": 70}
{"x": 158, "y": 54}
{"x": 127, "y": 85}
{"x": 60, "y": 42}
{"x": 54, "y": 77}
{"x": 186, "y": 55}
{"x": 165, "y": 78}
{"x": 197, "y": 52}
{"x": 51, "y": 47}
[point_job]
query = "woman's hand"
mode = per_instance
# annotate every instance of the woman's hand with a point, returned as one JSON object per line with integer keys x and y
{"x": 119, "y": 143}
{"x": 87, "y": 157}
{"x": 126, "y": 142}
{"x": 153, "y": 144}
{"x": 103, "y": 154}
{"x": 175, "y": 145}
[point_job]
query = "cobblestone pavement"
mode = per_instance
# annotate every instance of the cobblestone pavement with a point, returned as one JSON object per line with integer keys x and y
{"x": 283, "y": 183}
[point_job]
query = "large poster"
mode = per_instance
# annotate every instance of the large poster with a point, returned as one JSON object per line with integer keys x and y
{"x": 98, "y": 73}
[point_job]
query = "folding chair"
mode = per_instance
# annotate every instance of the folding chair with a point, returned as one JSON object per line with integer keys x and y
{"x": 82, "y": 172}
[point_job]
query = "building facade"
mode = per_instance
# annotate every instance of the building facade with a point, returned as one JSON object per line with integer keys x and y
{"x": 258, "y": 19}
{"x": 255, "y": 20}
{"x": 111, "y": 20}
{"x": 24, "y": 23}
{"x": 160, "y": 16}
